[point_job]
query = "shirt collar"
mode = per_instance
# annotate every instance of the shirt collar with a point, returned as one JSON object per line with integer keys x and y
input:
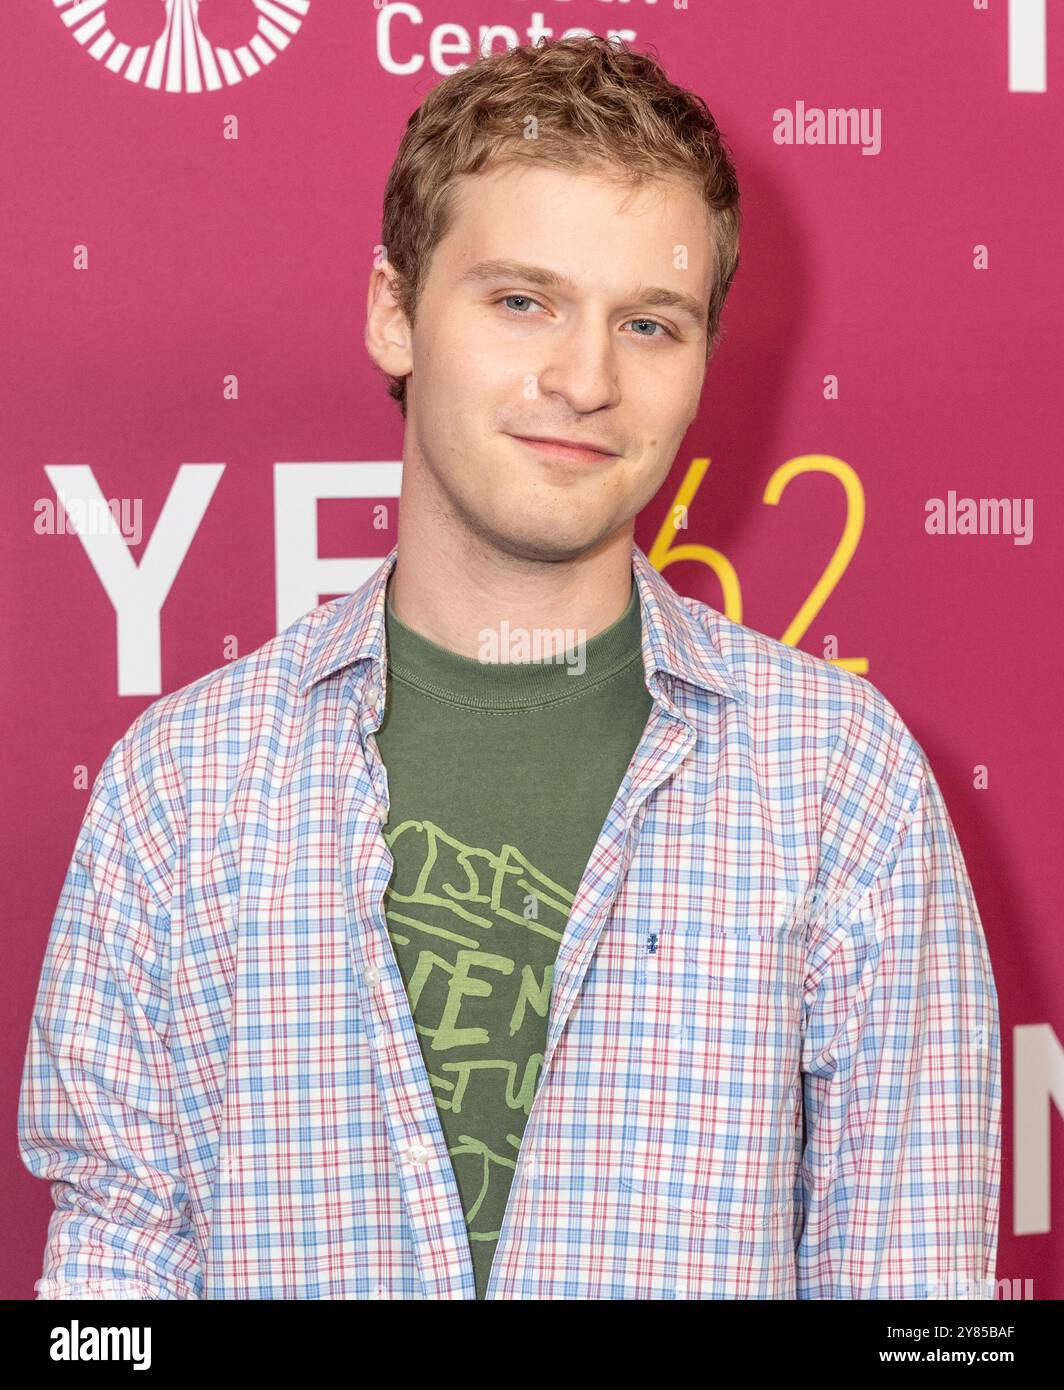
{"x": 675, "y": 641}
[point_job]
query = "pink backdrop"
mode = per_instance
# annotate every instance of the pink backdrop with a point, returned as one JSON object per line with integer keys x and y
{"x": 898, "y": 311}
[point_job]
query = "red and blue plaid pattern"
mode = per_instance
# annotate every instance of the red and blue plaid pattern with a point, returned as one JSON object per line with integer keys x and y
{"x": 773, "y": 1057}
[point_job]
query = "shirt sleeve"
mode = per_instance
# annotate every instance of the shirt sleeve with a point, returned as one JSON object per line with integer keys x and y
{"x": 899, "y": 1178}
{"x": 96, "y": 1106}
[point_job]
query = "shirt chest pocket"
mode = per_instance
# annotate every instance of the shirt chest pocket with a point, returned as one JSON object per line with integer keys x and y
{"x": 713, "y": 1090}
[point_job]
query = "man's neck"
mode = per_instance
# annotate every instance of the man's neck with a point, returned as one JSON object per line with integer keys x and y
{"x": 455, "y": 595}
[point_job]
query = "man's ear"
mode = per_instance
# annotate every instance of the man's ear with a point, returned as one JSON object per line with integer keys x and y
{"x": 388, "y": 335}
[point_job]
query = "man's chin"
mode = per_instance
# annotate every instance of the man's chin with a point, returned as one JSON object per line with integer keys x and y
{"x": 546, "y": 544}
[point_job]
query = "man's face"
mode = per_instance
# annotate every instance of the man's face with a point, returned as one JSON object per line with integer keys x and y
{"x": 615, "y": 359}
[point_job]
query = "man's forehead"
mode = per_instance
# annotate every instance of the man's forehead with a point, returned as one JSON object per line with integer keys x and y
{"x": 619, "y": 186}
{"x": 547, "y": 250}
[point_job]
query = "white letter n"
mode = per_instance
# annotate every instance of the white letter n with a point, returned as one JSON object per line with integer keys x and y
{"x": 1027, "y": 45}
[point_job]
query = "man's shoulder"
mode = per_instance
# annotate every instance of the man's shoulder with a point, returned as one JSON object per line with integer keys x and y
{"x": 236, "y": 702}
{"x": 816, "y": 724}
{"x": 784, "y": 688}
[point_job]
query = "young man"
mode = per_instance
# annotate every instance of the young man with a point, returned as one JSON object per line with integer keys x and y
{"x": 395, "y": 962}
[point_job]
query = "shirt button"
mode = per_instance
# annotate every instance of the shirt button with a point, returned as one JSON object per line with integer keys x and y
{"x": 372, "y": 976}
{"x": 417, "y": 1152}
{"x": 373, "y": 690}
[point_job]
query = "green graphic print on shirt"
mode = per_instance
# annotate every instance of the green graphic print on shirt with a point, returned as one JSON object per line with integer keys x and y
{"x": 482, "y": 969}
{"x": 500, "y": 776}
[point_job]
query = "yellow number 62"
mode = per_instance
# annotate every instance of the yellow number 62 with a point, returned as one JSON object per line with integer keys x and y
{"x": 663, "y": 552}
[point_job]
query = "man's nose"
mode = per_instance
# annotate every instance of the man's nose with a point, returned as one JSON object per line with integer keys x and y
{"x": 581, "y": 366}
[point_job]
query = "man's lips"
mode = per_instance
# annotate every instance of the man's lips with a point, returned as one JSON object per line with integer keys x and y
{"x": 570, "y": 449}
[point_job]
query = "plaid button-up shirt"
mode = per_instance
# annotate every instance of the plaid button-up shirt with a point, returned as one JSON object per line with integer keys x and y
{"x": 772, "y": 1063}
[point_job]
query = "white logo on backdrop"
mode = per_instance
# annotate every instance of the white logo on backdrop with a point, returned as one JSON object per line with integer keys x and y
{"x": 184, "y": 45}
{"x": 1027, "y": 45}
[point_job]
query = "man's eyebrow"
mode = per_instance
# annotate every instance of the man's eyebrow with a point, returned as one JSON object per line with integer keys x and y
{"x": 655, "y": 296}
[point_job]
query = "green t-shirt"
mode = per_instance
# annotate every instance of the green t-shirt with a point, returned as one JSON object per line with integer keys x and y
{"x": 500, "y": 777}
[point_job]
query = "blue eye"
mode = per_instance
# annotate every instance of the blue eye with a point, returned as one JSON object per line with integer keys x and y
{"x": 527, "y": 299}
